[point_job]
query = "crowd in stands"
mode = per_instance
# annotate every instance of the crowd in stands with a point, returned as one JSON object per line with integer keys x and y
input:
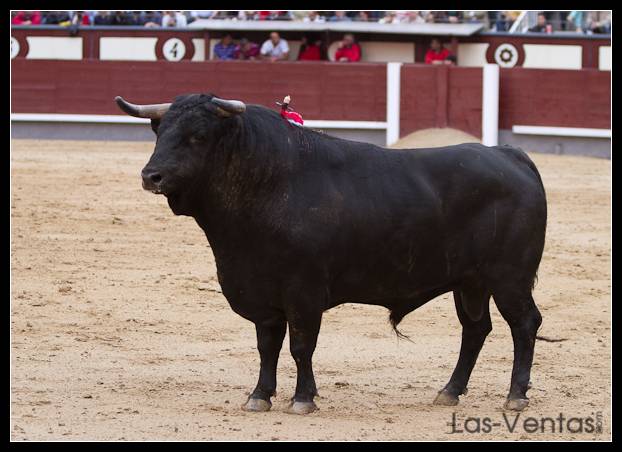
{"x": 275, "y": 48}
{"x": 312, "y": 48}
{"x": 589, "y": 22}
{"x": 550, "y": 21}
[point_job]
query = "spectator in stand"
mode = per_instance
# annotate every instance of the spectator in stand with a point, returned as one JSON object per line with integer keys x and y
{"x": 299, "y": 15}
{"x": 135, "y": 17}
{"x": 578, "y": 20}
{"x": 225, "y": 49}
{"x": 174, "y": 19}
{"x": 121, "y": 18}
{"x": 348, "y": 50}
{"x": 501, "y": 22}
{"x": 246, "y": 50}
{"x": 80, "y": 18}
{"x": 440, "y": 17}
{"x": 415, "y": 17}
{"x": 27, "y": 18}
{"x": 375, "y": 16}
{"x": 282, "y": 15}
{"x": 362, "y": 16}
{"x": 311, "y": 49}
{"x": 454, "y": 17}
{"x": 511, "y": 17}
{"x": 224, "y": 14}
{"x": 101, "y": 18}
{"x": 430, "y": 18}
{"x": 275, "y": 48}
{"x": 313, "y": 16}
{"x": 203, "y": 14}
{"x": 436, "y": 54}
{"x": 540, "y": 26}
{"x": 474, "y": 16}
{"x": 340, "y": 16}
{"x": 389, "y": 18}
{"x": 150, "y": 19}
{"x": 408, "y": 17}
{"x": 273, "y": 15}
{"x": 262, "y": 15}
{"x": 599, "y": 22}
{"x": 451, "y": 60}
{"x": 401, "y": 17}
{"x": 55, "y": 18}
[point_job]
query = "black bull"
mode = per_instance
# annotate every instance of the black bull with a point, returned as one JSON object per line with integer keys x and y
{"x": 300, "y": 222}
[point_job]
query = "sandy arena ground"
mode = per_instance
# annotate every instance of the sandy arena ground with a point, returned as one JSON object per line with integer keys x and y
{"x": 119, "y": 330}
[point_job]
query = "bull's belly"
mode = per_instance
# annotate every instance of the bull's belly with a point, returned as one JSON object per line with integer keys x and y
{"x": 380, "y": 284}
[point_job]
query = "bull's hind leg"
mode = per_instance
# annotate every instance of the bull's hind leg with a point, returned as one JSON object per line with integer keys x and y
{"x": 269, "y": 342}
{"x": 474, "y": 334}
{"x": 520, "y": 312}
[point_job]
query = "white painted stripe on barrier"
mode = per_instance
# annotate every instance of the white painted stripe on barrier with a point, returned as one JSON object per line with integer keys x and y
{"x": 128, "y": 49}
{"x": 604, "y": 58}
{"x": 490, "y": 105}
{"x": 562, "y": 131}
{"x": 393, "y": 102}
{"x": 472, "y": 54}
{"x": 54, "y": 48}
{"x": 124, "y": 119}
{"x": 53, "y": 117}
{"x": 328, "y": 124}
{"x": 546, "y": 56}
{"x": 199, "y": 50}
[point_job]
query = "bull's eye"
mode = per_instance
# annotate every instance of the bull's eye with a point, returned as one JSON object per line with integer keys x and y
{"x": 194, "y": 140}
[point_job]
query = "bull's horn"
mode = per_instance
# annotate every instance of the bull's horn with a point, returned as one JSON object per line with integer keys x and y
{"x": 153, "y": 111}
{"x": 230, "y": 107}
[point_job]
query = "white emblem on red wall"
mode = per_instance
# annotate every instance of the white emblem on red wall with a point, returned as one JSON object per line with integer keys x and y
{"x": 14, "y": 47}
{"x": 506, "y": 55}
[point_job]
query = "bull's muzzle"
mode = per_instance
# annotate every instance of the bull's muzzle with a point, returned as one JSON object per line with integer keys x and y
{"x": 152, "y": 180}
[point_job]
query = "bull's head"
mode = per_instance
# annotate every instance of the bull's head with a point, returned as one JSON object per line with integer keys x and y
{"x": 187, "y": 130}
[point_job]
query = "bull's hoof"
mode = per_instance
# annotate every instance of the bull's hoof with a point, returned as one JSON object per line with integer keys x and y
{"x": 257, "y": 405}
{"x": 516, "y": 404}
{"x": 301, "y": 407}
{"x": 445, "y": 398}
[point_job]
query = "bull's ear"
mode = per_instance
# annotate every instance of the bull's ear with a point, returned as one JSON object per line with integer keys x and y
{"x": 155, "y": 124}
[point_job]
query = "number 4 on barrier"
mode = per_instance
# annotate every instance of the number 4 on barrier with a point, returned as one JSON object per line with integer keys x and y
{"x": 174, "y": 49}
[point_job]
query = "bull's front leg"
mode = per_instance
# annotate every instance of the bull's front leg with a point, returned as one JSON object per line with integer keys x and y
{"x": 269, "y": 342}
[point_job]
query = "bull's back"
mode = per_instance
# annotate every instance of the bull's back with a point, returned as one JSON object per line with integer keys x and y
{"x": 423, "y": 218}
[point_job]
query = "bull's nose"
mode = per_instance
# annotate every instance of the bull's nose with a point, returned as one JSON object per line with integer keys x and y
{"x": 151, "y": 179}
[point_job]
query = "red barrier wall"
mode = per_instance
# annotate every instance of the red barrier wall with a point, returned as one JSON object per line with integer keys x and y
{"x": 441, "y": 96}
{"x": 431, "y": 96}
{"x": 556, "y": 98}
{"x": 319, "y": 90}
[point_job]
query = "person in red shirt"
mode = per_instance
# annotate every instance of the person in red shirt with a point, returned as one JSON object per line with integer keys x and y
{"x": 310, "y": 50}
{"x": 436, "y": 54}
{"x": 27, "y": 18}
{"x": 246, "y": 50}
{"x": 80, "y": 18}
{"x": 348, "y": 51}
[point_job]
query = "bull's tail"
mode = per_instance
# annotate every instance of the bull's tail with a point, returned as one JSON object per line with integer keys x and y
{"x": 395, "y": 317}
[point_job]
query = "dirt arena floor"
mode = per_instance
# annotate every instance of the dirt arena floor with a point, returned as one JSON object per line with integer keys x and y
{"x": 119, "y": 330}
